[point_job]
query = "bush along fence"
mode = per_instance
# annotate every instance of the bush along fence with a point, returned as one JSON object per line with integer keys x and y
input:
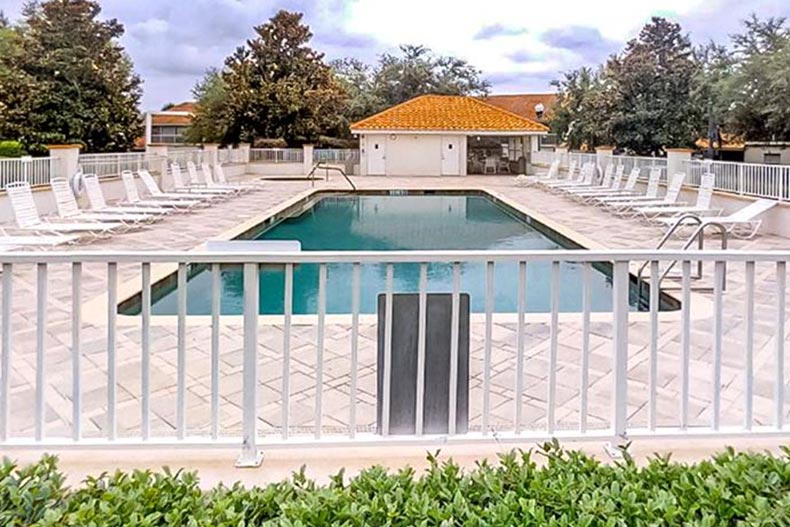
{"x": 548, "y": 486}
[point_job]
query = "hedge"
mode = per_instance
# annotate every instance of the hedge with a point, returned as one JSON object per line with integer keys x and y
{"x": 11, "y": 149}
{"x": 568, "y": 489}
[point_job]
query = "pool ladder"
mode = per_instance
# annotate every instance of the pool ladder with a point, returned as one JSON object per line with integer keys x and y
{"x": 321, "y": 165}
{"x": 697, "y": 236}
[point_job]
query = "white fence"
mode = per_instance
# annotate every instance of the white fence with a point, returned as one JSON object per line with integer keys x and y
{"x": 276, "y": 155}
{"x": 182, "y": 157}
{"x": 314, "y": 382}
{"x": 752, "y": 179}
{"x": 34, "y": 170}
{"x": 333, "y": 155}
{"x": 112, "y": 165}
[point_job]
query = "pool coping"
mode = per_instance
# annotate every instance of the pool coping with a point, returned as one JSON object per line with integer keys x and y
{"x": 95, "y": 310}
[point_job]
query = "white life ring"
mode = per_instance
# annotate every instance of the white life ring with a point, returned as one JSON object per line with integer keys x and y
{"x": 77, "y": 183}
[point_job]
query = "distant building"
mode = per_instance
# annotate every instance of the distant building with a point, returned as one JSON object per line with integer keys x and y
{"x": 533, "y": 106}
{"x": 167, "y": 127}
{"x": 767, "y": 152}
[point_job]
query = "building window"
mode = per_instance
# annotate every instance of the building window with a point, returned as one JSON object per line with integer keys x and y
{"x": 772, "y": 159}
{"x": 167, "y": 134}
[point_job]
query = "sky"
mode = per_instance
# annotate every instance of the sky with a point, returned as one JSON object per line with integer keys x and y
{"x": 519, "y": 45}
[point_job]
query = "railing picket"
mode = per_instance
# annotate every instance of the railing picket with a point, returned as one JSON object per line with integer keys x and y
{"x": 620, "y": 353}
{"x": 319, "y": 370}
{"x": 5, "y": 358}
{"x": 653, "y": 368}
{"x": 585, "y": 358}
{"x": 76, "y": 340}
{"x": 250, "y": 456}
{"x": 779, "y": 383}
{"x": 355, "y": 292}
{"x": 386, "y": 375}
{"x": 112, "y": 316}
{"x": 216, "y": 295}
{"x": 487, "y": 345}
{"x": 553, "y": 343}
{"x": 454, "y": 342}
{"x": 685, "y": 342}
{"x": 718, "y": 284}
{"x": 749, "y": 356}
{"x": 145, "y": 341}
{"x": 181, "y": 360}
{"x": 41, "y": 323}
{"x": 519, "y": 387}
{"x": 421, "y": 336}
{"x": 287, "y": 315}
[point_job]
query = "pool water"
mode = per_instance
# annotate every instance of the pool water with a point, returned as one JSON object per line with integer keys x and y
{"x": 402, "y": 222}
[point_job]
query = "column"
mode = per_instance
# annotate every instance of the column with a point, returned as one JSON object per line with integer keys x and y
{"x": 307, "y": 162}
{"x": 65, "y": 160}
{"x": 603, "y": 156}
{"x": 677, "y": 160}
{"x": 211, "y": 153}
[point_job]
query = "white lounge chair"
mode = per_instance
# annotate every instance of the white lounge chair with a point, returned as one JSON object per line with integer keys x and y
{"x": 586, "y": 176}
{"x": 612, "y": 179}
{"x": 526, "y": 181}
{"x": 195, "y": 185}
{"x": 69, "y": 210}
{"x": 670, "y": 198}
{"x": 208, "y": 181}
{"x": 133, "y": 197}
{"x": 27, "y": 218}
{"x": 651, "y": 193}
{"x": 156, "y": 193}
{"x": 219, "y": 176}
{"x": 17, "y": 241}
{"x": 98, "y": 204}
{"x": 735, "y": 223}
{"x": 616, "y": 191}
{"x": 570, "y": 175}
{"x": 702, "y": 206}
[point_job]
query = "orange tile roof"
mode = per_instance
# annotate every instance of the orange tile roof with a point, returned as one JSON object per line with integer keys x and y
{"x": 161, "y": 119}
{"x": 728, "y": 142}
{"x": 524, "y": 104}
{"x": 450, "y": 113}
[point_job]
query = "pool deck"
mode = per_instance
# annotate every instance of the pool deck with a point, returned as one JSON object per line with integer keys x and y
{"x": 592, "y": 227}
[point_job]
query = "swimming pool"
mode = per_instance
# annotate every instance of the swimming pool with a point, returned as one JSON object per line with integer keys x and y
{"x": 398, "y": 222}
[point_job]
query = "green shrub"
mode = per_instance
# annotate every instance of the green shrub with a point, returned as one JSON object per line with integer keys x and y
{"x": 568, "y": 489}
{"x": 11, "y": 149}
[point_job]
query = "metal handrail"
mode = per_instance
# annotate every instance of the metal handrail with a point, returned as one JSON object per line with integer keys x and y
{"x": 698, "y": 235}
{"x": 320, "y": 164}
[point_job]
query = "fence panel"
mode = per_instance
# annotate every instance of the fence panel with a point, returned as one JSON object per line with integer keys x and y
{"x": 746, "y": 179}
{"x": 34, "y": 170}
{"x": 112, "y": 165}
{"x": 276, "y": 155}
{"x": 334, "y": 155}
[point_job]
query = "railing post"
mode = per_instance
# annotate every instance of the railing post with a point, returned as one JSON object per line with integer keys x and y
{"x": 250, "y": 456}
{"x": 620, "y": 350}
{"x": 740, "y": 179}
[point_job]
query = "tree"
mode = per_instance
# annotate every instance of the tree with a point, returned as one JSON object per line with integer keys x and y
{"x": 210, "y": 123}
{"x": 357, "y": 80}
{"x": 4, "y": 23}
{"x": 757, "y": 90}
{"x": 579, "y": 115}
{"x": 651, "y": 84}
{"x": 278, "y": 86}
{"x": 76, "y": 84}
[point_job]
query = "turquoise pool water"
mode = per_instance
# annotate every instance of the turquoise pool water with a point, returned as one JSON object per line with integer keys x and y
{"x": 388, "y": 223}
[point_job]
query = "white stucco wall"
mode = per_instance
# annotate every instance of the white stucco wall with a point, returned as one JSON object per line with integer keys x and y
{"x": 411, "y": 154}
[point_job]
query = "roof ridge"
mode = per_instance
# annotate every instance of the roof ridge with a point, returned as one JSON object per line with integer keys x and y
{"x": 512, "y": 114}
{"x": 388, "y": 110}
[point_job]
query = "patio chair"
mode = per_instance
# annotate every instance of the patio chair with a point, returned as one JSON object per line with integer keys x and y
{"x": 702, "y": 206}
{"x": 27, "y": 217}
{"x": 133, "y": 197}
{"x": 558, "y": 177}
{"x": 195, "y": 186}
{"x": 670, "y": 198}
{"x": 617, "y": 189}
{"x": 525, "y": 181}
{"x": 489, "y": 164}
{"x": 68, "y": 209}
{"x": 613, "y": 178}
{"x": 98, "y": 204}
{"x": 651, "y": 194}
{"x": 9, "y": 241}
{"x": 208, "y": 179}
{"x": 219, "y": 176}
{"x": 157, "y": 193}
{"x": 586, "y": 176}
{"x": 743, "y": 223}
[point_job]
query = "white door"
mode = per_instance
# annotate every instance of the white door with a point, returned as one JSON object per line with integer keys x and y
{"x": 377, "y": 158}
{"x": 451, "y": 156}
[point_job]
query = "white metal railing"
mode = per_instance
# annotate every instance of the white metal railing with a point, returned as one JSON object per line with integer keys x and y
{"x": 34, "y": 170}
{"x": 112, "y": 165}
{"x": 276, "y": 155}
{"x": 182, "y": 157}
{"x": 715, "y": 406}
{"x": 752, "y": 179}
{"x": 334, "y": 155}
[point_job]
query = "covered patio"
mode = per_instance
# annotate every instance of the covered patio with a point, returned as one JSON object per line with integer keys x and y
{"x": 497, "y": 154}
